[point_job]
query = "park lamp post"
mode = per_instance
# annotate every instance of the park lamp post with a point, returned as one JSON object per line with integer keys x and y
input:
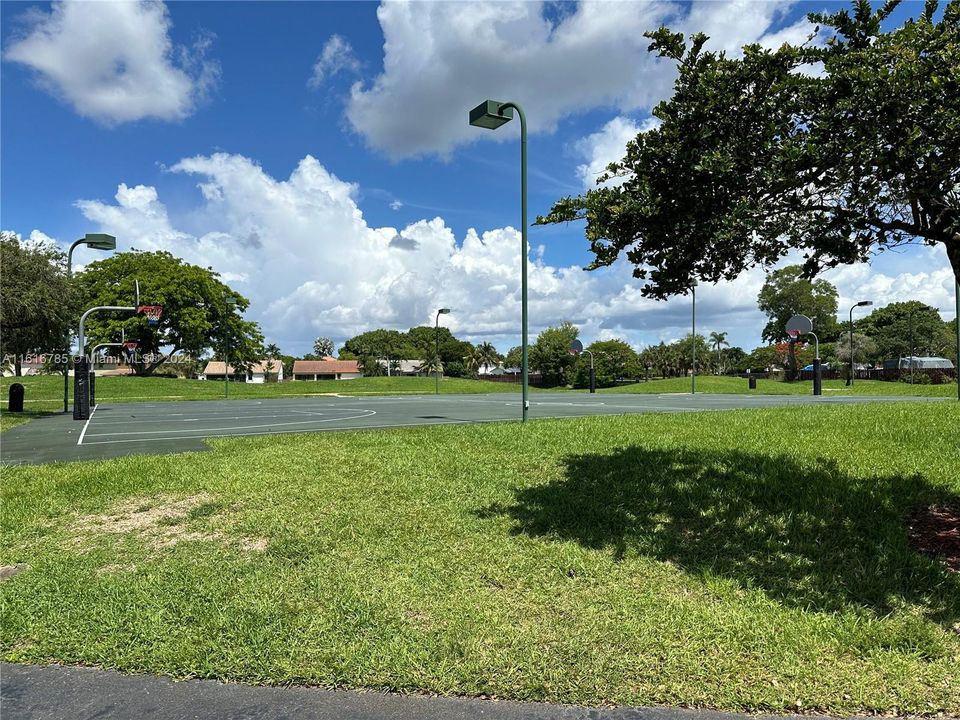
{"x": 693, "y": 337}
{"x": 436, "y": 338}
{"x": 862, "y": 303}
{"x": 491, "y": 114}
{"x": 229, "y": 303}
{"x": 97, "y": 241}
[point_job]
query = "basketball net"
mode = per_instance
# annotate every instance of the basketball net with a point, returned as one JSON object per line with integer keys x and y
{"x": 152, "y": 313}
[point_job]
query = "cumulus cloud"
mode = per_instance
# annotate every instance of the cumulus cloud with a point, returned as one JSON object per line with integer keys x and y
{"x": 444, "y": 58}
{"x": 301, "y": 249}
{"x": 605, "y": 146}
{"x": 337, "y": 56}
{"x": 114, "y": 61}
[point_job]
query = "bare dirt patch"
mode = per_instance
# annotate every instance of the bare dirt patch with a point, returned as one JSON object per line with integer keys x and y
{"x": 8, "y": 571}
{"x": 935, "y": 530}
{"x": 161, "y": 522}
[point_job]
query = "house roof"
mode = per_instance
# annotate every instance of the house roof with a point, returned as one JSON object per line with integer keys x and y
{"x": 324, "y": 367}
{"x": 215, "y": 367}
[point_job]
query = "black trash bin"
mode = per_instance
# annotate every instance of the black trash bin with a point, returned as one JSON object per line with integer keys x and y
{"x": 752, "y": 382}
{"x": 16, "y": 398}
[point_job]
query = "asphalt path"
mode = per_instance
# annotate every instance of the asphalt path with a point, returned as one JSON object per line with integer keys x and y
{"x": 71, "y": 693}
{"x": 161, "y": 427}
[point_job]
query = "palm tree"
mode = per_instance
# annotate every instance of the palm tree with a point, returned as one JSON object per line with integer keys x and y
{"x": 432, "y": 365}
{"x": 470, "y": 361}
{"x": 486, "y": 355}
{"x": 718, "y": 340}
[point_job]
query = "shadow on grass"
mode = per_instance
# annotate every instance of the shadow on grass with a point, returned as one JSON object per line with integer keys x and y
{"x": 809, "y": 535}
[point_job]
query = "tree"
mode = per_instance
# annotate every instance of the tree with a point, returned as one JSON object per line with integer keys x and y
{"x": 685, "y": 354}
{"x": 323, "y": 347}
{"x": 613, "y": 360}
{"x": 906, "y": 328}
{"x": 381, "y": 344}
{"x": 550, "y": 354}
{"x": 786, "y": 293}
{"x": 486, "y": 356}
{"x": 753, "y": 157}
{"x": 864, "y": 349}
{"x": 514, "y": 357}
{"x": 36, "y": 305}
{"x": 272, "y": 351}
{"x": 718, "y": 340}
{"x": 195, "y": 317}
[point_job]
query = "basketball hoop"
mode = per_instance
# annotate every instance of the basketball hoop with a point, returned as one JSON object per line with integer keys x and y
{"x": 152, "y": 313}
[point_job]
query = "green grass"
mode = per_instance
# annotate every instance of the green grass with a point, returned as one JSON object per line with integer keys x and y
{"x": 45, "y": 392}
{"x": 746, "y": 560}
{"x": 735, "y": 385}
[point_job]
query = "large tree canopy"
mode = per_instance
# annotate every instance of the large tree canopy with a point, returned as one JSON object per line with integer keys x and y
{"x": 756, "y": 156}
{"x": 786, "y": 293}
{"x": 195, "y": 315}
{"x": 35, "y": 301}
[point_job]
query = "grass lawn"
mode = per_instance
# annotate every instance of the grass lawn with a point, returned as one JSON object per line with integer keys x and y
{"x": 45, "y": 392}
{"x": 736, "y": 385}
{"x": 745, "y": 560}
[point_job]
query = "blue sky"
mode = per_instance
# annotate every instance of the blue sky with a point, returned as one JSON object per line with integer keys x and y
{"x": 318, "y": 154}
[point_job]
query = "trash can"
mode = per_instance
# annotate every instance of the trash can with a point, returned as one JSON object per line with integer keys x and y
{"x": 752, "y": 381}
{"x": 16, "y": 398}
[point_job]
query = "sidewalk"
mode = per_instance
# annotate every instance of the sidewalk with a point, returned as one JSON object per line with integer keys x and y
{"x": 61, "y": 693}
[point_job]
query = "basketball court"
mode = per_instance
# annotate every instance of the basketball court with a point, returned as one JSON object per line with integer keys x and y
{"x": 163, "y": 427}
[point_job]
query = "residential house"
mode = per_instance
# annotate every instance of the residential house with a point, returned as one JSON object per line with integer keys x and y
{"x": 257, "y": 374}
{"x": 326, "y": 369}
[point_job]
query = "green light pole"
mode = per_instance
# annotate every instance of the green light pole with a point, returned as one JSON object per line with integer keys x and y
{"x": 862, "y": 303}
{"x": 491, "y": 114}
{"x": 97, "y": 241}
{"x": 228, "y": 303}
{"x": 436, "y": 337}
{"x": 693, "y": 337}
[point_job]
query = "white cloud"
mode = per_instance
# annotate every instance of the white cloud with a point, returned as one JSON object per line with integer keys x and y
{"x": 114, "y": 61}
{"x": 301, "y": 249}
{"x": 441, "y": 59}
{"x": 337, "y": 56}
{"x": 396, "y": 205}
{"x": 605, "y": 146}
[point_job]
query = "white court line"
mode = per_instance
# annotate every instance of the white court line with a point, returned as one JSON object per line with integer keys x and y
{"x": 84, "y": 431}
{"x": 207, "y": 418}
{"x": 369, "y": 413}
{"x": 360, "y": 427}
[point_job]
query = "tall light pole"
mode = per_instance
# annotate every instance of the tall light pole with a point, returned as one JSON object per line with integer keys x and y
{"x": 229, "y": 303}
{"x": 693, "y": 338}
{"x": 862, "y": 303}
{"x": 97, "y": 241}
{"x": 491, "y": 114}
{"x": 436, "y": 338}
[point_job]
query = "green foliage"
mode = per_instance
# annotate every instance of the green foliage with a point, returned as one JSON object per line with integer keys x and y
{"x": 754, "y": 157}
{"x": 786, "y": 293}
{"x": 37, "y": 306}
{"x": 322, "y": 347}
{"x": 514, "y": 357}
{"x": 902, "y": 328}
{"x": 550, "y": 354}
{"x": 195, "y": 317}
{"x": 613, "y": 360}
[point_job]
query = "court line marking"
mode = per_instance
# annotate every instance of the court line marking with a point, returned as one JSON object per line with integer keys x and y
{"x": 200, "y": 417}
{"x": 368, "y": 413}
{"x": 86, "y": 424}
{"x": 359, "y": 427}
